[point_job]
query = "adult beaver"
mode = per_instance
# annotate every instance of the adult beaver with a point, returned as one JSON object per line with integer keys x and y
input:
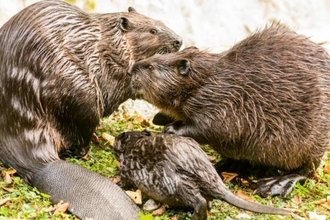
{"x": 266, "y": 100}
{"x": 61, "y": 70}
{"x": 174, "y": 170}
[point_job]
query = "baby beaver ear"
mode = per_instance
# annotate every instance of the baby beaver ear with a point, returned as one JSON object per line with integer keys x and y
{"x": 183, "y": 66}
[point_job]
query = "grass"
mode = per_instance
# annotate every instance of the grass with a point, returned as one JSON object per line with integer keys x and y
{"x": 21, "y": 201}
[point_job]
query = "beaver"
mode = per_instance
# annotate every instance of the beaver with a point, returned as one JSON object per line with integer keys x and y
{"x": 61, "y": 70}
{"x": 174, "y": 170}
{"x": 266, "y": 101}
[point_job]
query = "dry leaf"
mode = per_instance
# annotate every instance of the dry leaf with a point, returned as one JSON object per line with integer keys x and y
{"x": 118, "y": 165}
{"x": 318, "y": 202}
{"x": 161, "y": 210}
{"x": 4, "y": 201}
{"x": 325, "y": 205}
{"x": 212, "y": 158}
{"x": 86, "y": 157}
{"x": 109, "y": 138}
{"x": 243, "y": 216}
{"x": 135, "y": 196}
{"x": 296, "y": 200}
{"x": 242, "y": 194}
{"x": 115, "y": 179}
{"x": 326, "y": 169}
{"x": 61, "y": 207}
{"x": 227, "y": 177}
{"x": 7, "y": 179}
{"x": 150, "y": 205}
{"x": 314, "y": 216}
{"x": 7, "y": 189}
{"x": 174, "y": 217}
{"x": 11, "y": 171}
{"x": 139, "y": 119}
{"x": 95, "y": 139}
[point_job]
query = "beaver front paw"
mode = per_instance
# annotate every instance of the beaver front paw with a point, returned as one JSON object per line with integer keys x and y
{"x": 173, "y": 128}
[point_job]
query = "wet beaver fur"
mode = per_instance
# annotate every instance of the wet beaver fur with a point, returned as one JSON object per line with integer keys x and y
{"x": 61, "y": 70}
{"x": 266, "y": 100}
{"x": 174, "y": 170}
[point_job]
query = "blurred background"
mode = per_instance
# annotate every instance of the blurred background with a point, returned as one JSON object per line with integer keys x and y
{"x": 213, "y": 24}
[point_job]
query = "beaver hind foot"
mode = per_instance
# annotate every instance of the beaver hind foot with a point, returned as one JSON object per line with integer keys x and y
{"x": 280, "y": 185}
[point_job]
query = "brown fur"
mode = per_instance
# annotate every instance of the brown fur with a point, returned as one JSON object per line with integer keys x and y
{"x": 174, "y": 170}
{"x": 266, "y": 100}
{"x": 63, "y": 69}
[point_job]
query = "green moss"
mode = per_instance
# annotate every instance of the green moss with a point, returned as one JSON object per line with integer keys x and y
{"x": 25, "y": 202}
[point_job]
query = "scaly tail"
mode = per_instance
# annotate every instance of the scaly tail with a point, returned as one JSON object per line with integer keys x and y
{"x": 89, "y": 194}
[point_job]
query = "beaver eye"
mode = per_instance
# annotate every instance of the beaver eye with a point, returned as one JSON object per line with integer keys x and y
{"x": 153, "y": 31}
{"x": 150, "y": 67}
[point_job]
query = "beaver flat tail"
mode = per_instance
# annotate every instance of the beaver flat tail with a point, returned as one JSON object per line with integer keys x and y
{"x": 231, "y": 198}
{"x": 68, "y": 182}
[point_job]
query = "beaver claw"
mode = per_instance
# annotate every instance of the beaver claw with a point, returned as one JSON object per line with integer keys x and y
{"x": 273, "y": 186}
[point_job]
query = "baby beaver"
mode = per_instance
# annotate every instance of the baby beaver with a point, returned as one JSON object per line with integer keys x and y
{"x": 174, "y": 170}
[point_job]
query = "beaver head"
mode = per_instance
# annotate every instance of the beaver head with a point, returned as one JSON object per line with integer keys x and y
{"x": 148, "y": 36}
{"x": 174, "y": 77}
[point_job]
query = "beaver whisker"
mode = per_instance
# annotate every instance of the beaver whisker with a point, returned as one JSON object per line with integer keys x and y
{"x": 162, "y": 50}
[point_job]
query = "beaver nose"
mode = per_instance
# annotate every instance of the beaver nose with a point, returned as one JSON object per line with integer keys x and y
{"x": 177, "y": 43}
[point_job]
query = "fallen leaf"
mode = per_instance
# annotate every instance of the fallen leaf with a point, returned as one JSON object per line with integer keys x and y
{"x": 138, "y": 119}
{"x": 7, "y": 189}
{"x": 150, "y": 205}
{"x": 326, "y": 169}
{"x": 325, "y": 205}
{"x": 11, "y": 171}
{"x": 212, "y": 158}
{"x": 95, "y": 139}
{"x": 61, "y": 207}
{"x": 118, "y": 165}
{"x": 243, "y": 216}
{"x": 109, "y": 138}
{"x": 135, "y": 196}
{"x": 161, "y": 210}
{"x": 227, "y": 177}
{"x": 86, "y": 157}
{"x": 243, "y": 195}
{"x": 115, "y": 179}
{"x": 318, "y": 202}
{"x": 4, "y": 201}
{"x": 7, "y": 179}
{"x": 314, "y": 216}
{"x": 296, "y": 200}
{"x": 174, "y": 217}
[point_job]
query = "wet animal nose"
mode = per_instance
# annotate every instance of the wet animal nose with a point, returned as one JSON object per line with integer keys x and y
{"x": 177, "y": 43}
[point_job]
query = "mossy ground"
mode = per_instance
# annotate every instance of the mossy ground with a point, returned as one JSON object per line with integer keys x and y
{"x": 21, "y": 201}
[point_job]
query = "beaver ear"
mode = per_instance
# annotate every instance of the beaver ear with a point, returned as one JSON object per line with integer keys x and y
{"x": 123, "y": 24}
{"x": 131, "y": 9}
{"x": 183, "y": 66}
